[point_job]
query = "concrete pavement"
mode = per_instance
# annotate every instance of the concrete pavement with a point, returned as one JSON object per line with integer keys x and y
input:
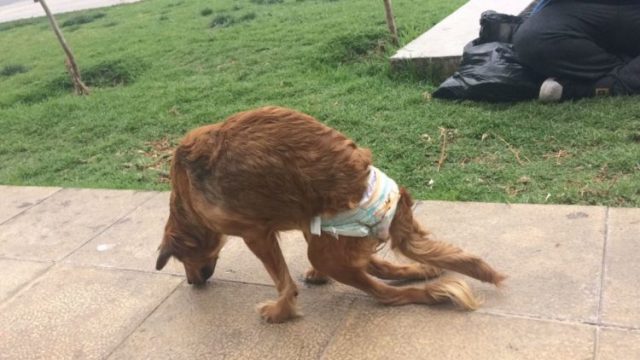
{"x": 11, "y": 10}
{"x": 78, "y": 281}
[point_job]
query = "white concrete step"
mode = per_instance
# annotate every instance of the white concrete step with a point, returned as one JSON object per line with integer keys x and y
{"x": 437, "y": 52}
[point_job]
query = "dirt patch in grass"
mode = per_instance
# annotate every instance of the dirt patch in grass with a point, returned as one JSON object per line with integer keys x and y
{"x": 267, "y": 2}
{"x": 17, "y": 24}
{"x": 350, "y": 48}
{"x": 109, "y": 73}
{"x": 225, "y": 20}
{"x": 222, "y": 21}
{"x": 13, "y": 69}
{"x": 118, "y": 72}
{"x": 82, "y": 19}
{"x": 248, "y": 16}
{"x": 174, "y": 4}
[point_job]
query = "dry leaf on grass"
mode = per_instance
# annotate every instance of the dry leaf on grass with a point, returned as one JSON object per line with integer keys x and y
{"x": 158, "y": 156}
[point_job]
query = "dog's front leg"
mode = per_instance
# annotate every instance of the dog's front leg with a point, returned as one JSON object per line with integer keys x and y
{"x": 267, "y": 249}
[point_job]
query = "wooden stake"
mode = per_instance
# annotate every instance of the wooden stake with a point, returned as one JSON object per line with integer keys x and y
{"x": 70, "y": 63}
{"x": 443, "y": 148}
{"x": 391, "y": 22}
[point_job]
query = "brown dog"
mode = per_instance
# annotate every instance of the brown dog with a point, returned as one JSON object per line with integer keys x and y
{"x": 275, "y": 169}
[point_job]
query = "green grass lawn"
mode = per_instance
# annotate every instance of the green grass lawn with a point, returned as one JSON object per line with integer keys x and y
{"x": 159, "y": 68}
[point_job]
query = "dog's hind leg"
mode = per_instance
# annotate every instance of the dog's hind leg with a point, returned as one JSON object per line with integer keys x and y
{"x": 347, "y": 259}
{"x": 267, "y": 249}
{"x": 408, "y": 237}
{"x": 384, "y": 269}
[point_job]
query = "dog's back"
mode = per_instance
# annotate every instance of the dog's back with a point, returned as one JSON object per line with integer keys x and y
{"x": 272, "y": 165}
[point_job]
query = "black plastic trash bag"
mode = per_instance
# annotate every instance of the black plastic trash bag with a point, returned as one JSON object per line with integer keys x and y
{"x": 497, "y": 27}
{"x": 490, "y": 70}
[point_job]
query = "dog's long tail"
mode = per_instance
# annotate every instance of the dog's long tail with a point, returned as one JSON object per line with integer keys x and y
{"x": 412, "y": 241}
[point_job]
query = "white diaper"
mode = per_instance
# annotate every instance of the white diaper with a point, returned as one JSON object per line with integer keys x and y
{"x": 373, "y": 215}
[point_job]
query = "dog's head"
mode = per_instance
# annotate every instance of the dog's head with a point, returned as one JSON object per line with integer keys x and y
{"x": 197, "y": 249}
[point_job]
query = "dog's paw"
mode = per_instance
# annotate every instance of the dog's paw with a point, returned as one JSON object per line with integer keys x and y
{"x": 276, "y": 312}
{"x": 313, "y": 276}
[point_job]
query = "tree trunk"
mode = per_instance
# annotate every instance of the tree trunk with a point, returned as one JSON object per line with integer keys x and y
{"x": 391, "y": 22}
{"x": 70, "y": 63}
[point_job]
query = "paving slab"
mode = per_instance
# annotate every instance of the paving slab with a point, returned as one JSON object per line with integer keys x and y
{"x": 374, "y": 331}
{"x": 220, "y": 322}
{"x": 620, "y": 302}
{"x": 24, "y": 9}
{"x": 131, "y": 242}
{"x": 63, "y": 222}
{"x": 618, "y": 345}
{"x": 17, "y": 273}
{"x": 80, "y": 313}
{"x": 16, "y": 199}
{"x": 552, "y": 254}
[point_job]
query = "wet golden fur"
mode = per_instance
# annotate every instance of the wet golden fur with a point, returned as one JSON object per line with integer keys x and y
{"x": 273, "y": 169}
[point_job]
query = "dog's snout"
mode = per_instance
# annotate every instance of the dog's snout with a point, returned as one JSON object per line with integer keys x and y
{"x": 206, "y": 272}
{"x": 198, "y": 275}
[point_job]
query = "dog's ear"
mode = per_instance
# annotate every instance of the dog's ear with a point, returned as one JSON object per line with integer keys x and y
{"x": 163, "y": 257}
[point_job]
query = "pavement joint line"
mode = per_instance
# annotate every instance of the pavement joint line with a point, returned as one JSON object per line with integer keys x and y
{"x": 32, "y": 206}
{"x": 5, "y": 257}
{"x": 600, "y": 292}
{"x": 26, "y": 286}
{"x": 153, "y": 195}
{"x": 115, "y": 268}
{"x": 159, "y": 273}
{"x": 338, "y": 329}
{"x": 125, "y": 338}
{"x": 557, "y": 320}
{"x": 54, "y": 264}
{"x": 596, "y": 344}
{"x": 632, "y": 329}
{"x": 534, "y": 317}
{"x": 603, "y": 266}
